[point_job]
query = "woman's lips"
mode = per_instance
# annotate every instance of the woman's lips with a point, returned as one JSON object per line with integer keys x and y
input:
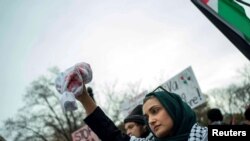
{"x": 156, "y": 127}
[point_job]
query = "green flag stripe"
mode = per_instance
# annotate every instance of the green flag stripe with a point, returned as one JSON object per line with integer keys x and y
{"x": 235, "y": 15}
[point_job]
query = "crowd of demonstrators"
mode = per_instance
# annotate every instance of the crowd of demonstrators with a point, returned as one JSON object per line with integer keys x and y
{"x": 215, "y": 117}
{"x": 135, "y": 123}
{"x": 167, "y": 117}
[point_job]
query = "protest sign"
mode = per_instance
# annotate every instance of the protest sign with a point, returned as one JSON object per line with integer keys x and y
{"x": 84, "y": 134}
{"x": 186, "y": 85}
{"x": 128, "y": 105}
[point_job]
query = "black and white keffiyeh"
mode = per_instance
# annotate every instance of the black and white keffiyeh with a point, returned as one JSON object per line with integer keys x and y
{"x": 198, "y": 133}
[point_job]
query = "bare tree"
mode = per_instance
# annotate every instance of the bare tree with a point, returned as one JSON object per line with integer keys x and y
{"x": 42, "y": 118}
{"x": 233, "y": 98}
{"x": 114, "y": 97}
{"x": 239, "y": 94}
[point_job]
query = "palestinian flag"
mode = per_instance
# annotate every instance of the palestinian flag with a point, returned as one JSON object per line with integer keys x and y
{"x": 234, "y": 13}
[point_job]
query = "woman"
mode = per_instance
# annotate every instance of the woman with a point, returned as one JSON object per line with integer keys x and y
{"x": 169, "y": 118}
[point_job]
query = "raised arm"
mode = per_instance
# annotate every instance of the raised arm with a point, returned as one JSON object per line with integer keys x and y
{"x": 100, "y": 123}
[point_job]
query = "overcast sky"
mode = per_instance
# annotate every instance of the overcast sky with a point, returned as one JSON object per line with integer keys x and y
{"x": 124, "y": 40}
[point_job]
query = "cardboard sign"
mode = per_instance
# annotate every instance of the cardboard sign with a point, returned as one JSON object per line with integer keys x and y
{"x": 128, "y": 105}
{"x": 84, "y": 134}
{"x": 186, "y": 85}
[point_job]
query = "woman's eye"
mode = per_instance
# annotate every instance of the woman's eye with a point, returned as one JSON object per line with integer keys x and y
{"x": 155, "y": 110}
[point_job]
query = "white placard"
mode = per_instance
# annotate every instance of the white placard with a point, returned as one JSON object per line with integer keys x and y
{"x": 186, "y": 85}
{"x": 128, "y": 105}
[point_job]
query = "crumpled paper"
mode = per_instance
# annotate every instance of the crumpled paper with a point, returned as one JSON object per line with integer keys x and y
{"x": 70, "y": 84}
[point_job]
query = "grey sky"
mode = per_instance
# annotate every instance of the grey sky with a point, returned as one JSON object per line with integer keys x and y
{"x": 122, "y": 40}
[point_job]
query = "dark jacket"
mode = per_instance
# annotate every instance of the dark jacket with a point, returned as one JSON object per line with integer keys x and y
{"x": 104, "y": 128}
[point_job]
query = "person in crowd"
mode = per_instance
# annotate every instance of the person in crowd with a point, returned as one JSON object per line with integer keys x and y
{"x": 215, "y": 117}
{"x": 246, "y": 116}
{"x": 135, "y": 123}
{"x": 168, "y": 118}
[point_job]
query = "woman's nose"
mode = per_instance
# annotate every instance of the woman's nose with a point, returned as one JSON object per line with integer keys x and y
{"x": 151, "y": 120}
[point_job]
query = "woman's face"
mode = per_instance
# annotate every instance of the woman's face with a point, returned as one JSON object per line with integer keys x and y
{"x": 159, "y": 120}
{"x": 134, "y": 129}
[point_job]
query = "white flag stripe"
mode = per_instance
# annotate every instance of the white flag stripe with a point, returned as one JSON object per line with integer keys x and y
{"x": 246, "y": 8}
{"x": 213, "y": 4}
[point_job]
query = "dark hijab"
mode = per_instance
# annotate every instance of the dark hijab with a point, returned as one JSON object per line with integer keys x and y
{"x": 182, "y": 115}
